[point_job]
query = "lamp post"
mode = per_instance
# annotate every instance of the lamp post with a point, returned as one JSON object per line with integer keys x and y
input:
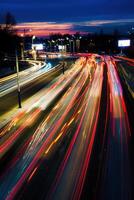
{"x": 33, "y": 38}
{"x": 22, "y": 45}
{"x": 34, "y": 48}
{"x": 22, "y": 50}
{"x": 23, "y": 35}
{"x": 18, "y": 84}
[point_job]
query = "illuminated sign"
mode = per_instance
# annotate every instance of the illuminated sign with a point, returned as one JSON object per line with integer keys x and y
{"x": 123, "y": 43}
{"x": 37, "y": 46}
{"x": 61, "y": 47}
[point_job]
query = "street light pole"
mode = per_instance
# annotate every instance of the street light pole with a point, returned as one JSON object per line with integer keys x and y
{"x": 22, "y": 44}
{"x": 22, "y": 50}
{"x": 17, "y": 69}
{"x": 33, "y": 38}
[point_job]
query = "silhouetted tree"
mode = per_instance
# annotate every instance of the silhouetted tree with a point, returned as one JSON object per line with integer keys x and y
{"x": 9, "y": 21}
{"x": 8, "y": 37}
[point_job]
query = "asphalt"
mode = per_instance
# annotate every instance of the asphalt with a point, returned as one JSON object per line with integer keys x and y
{"x": 109, "y": 168}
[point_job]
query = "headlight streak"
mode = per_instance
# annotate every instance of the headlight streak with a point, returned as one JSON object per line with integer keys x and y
{"x": 57, "y": 87}
{"x": 37, "y": 136}
{"x": 76, "y": 160}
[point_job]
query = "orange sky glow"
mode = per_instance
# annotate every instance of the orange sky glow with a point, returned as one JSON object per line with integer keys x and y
{"x": 44, "y": 28}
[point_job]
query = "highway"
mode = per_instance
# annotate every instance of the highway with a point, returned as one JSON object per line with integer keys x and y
{"x": 8, "y": 84}
{"x": 73, "y": 139}
{"x": 31, "y": 81}
{"x": 117, "y": 172}
{"x": 33, "y": 114}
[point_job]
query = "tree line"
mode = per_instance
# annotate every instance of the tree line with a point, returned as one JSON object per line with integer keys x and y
{"x": 8, "y": 37}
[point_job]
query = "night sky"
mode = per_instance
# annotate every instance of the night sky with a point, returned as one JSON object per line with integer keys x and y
{"x": 68, "y": 16}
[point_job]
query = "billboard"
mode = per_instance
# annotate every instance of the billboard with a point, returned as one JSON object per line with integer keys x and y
{"x": 61, "y": 47}
{"x": 37, "y": 46}
{"x": 123, "y": 43}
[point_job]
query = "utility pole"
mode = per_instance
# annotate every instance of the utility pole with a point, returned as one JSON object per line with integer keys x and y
{"x": 18, "y": 84}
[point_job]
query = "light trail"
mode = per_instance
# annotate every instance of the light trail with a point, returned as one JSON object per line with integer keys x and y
{"x": 72, "y": 171}
{"x": 44, "y": 135}
{"x": 116, "y": 178}
{"x": 29, "y": 75}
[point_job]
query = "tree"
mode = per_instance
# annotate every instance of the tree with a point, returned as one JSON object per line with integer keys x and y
{"x": 9, "y": 21}
{"x": 8, "y": 38}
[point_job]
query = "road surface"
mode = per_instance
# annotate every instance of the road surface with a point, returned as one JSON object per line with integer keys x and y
{"x": 73, "y": 139}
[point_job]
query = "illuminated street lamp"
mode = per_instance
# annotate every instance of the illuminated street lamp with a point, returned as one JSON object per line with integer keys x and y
{"x": 23, "y": 35}
{"x": 22, "y": 46}
{"x": 33, "y": 38}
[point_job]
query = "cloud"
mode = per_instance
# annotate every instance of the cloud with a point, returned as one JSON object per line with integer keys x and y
{"x": 44, "y": 25}
{"x": 46, "y": 28}
{"x": 106, "y": 22}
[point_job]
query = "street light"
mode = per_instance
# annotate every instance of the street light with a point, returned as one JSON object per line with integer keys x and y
{"x": 22, "y": 50}
{"x": 33, "y": 38}
{"x": 23, "y": 35}
{"x": 22, "y": 46}
{"x": 18, "y": 84}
